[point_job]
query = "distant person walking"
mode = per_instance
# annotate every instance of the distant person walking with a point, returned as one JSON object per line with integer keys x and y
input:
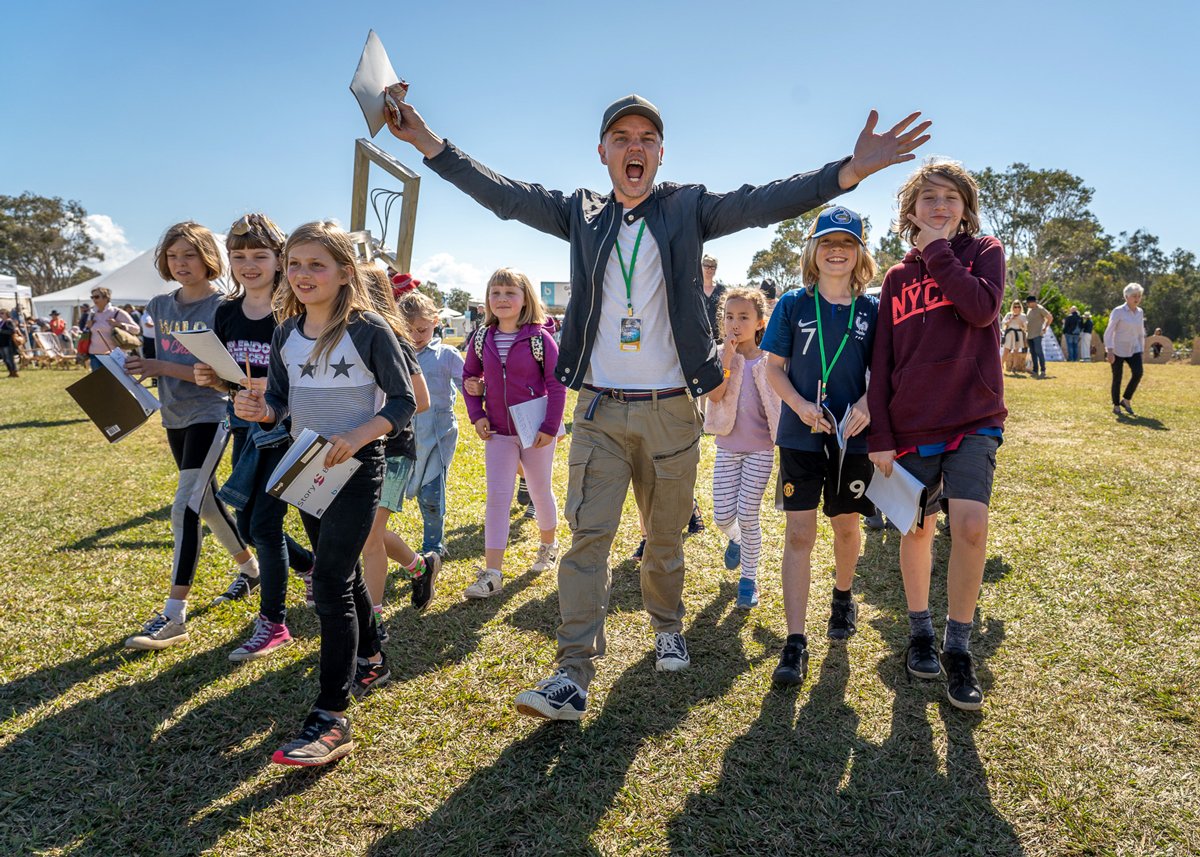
{"x": 1085, "y": 337}
{"x": 1072, "y": 329}
{"x": 1124, "y": 341}
{"x": 1038, "y": 320}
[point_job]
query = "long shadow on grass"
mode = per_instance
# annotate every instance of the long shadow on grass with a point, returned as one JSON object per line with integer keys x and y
{"x": 53, "y": 680}
{"x": 99, "y": 538}
{"x": 547, "y": 792}
{"x": 40, "y": 424}
{"x": 541, "y": 615}
{"x": 124, "y": 773}
{"x": 1144, "y": 422}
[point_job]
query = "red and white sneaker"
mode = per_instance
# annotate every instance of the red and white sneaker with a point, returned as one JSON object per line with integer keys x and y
{"x": 267, "y": 637}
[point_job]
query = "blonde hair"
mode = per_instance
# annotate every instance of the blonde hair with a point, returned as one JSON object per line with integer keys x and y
{"x": 948, "y": 171}
{"x": 532, "y": 311}
{"x": 254, "y": 232}
{"x": 755, "y": 297}
{"x": 351, "y": 299}
{"x": 103, "y": 291}
{"x": 199, "y": 237}
{"x": 417, "y": 305}
{"x": 864, "y": 266}
{"x": 379, "y": 287}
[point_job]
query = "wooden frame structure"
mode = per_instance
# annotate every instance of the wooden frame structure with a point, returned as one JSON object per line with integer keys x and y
{"x": 365, "y": 154}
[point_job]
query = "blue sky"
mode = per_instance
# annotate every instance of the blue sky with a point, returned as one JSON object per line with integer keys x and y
{"x": 153, "y": 113}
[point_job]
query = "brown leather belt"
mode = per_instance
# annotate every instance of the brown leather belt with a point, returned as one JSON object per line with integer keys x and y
{"x": 637, "y": 395}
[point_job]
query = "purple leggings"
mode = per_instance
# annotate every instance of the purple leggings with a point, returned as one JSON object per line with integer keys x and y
{"x": 501, "y": 454}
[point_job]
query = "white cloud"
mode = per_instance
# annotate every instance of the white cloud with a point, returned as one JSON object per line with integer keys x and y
{"x": 449, "y": 274}
{"x": 110, "y": 239}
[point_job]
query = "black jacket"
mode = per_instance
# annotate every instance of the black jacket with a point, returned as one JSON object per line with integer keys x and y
{"x": 680, "y": 217}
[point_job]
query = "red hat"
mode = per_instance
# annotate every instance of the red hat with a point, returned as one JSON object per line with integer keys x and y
{"x": 402, "y": 283}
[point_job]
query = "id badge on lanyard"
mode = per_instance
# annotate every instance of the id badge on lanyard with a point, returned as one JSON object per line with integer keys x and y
{"x": 631, "y": 334}
{"x": 631, "y": 325}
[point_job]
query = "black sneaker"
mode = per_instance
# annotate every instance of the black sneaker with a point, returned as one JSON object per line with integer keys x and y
{"x": 793, "y": 665}
{"x": 842, "y": 617}
{"x": 695, "y": 523}
{"x": 1128, "y": 406}
{"x": 369, "y": 676}
{"x": 922, "y": 657}
{"x": 381, "y": 631}
{"x": 323, "y": 739}
{"x": 523, "y": 498}
{"x": 555, "y": 698}
{"x": 636, "y": 556}
{"x": 241, "y": 586}
{"x": 961, "y": 684}
{"x": 422, "y": 587}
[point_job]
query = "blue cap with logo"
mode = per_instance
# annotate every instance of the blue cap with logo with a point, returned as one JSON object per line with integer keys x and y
{"x": 839, "y": 219}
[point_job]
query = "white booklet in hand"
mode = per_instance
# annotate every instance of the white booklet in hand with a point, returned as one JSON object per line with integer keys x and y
{"x": 303, "y": 480}
{"x": 527, "y": 419}
{"x": 207, "y": 347}
{"x": 839, "y": 433}
{"x": 373, "y": 75}
{"x": 900, "y": 496}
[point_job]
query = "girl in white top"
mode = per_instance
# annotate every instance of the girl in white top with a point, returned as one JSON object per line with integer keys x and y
{"x": 1124, "y": 341}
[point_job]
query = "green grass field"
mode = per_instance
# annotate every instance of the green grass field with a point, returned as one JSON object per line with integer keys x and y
{"x": 1088, "y": 630}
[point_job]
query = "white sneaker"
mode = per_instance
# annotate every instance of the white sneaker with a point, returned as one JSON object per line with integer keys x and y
{"x": 555, "y": 698}
{"x": 158, "y": 633}
{"x": 546, "y": 558}
{"x": 671, "y": 654}
{"x": 488, "y": 583}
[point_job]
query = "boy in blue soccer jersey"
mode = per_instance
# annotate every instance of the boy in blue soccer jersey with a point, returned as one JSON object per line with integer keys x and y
{"x": 819, "y": 342}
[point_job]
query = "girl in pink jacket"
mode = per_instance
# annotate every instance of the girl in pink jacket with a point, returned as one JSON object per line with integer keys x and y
{"x": 515, "y": 356}
{"x": 743, "y": 413}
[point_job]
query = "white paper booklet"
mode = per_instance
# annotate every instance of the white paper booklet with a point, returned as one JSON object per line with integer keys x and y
{"x": 900, "y": 496}
{"x": 303, "y": 480}
{"x": 839, "y": 433}
{"x": 373, "y": 75}
{"x": 215, "y": 450}
{"x": 527, "y": 418}
{"x": 207, "y": 347}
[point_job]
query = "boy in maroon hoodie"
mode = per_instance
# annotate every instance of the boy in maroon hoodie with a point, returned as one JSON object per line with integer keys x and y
{"x": 936, "y": 398}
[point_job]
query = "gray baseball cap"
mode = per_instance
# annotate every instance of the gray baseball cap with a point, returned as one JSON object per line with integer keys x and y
{"x": 631, "y": 105}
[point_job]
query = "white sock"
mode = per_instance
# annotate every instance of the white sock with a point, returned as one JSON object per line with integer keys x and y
{"x": 249, "y": 567}
{"x": 732, "y": 530}
{"x": 176, "y": 609}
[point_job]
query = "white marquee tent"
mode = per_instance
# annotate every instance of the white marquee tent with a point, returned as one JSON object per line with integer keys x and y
{"x": 134, "y": 283}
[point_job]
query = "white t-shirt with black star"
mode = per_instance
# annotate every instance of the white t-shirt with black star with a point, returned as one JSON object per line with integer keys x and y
{"x": 364, "y": 375}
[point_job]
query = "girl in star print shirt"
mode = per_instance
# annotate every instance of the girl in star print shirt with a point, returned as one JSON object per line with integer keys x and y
{"x": 336, "y": 368}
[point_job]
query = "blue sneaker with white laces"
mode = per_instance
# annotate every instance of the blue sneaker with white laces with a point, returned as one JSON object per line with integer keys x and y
{"x": 554, "y": 698}
{"x": 733, "y": 555}
{"x": 747, "y": 596}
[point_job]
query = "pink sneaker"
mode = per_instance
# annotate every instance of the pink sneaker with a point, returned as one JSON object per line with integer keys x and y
{"x": 267, "y": 637}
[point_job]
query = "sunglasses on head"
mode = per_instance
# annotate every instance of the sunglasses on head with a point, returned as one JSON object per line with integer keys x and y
{"x": 248, "y": 223}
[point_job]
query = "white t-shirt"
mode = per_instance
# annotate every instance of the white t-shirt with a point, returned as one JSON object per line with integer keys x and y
{"x": 655, "y": 365}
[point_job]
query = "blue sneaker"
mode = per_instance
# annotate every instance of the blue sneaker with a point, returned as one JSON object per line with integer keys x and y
{"x": 733, "y": 555}
{"x": 747, "y": 596}
{"x": 554, "y": 698}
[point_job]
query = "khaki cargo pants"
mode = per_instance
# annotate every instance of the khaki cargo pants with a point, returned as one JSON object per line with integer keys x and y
{"x": 656, "y": 446}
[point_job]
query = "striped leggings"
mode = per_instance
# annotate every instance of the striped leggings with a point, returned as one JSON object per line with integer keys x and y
{"x": 739, "y": 480}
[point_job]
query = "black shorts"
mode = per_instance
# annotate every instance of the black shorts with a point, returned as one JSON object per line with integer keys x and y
{"x": 803, "y": 476}
{"x": 965, "y": 473}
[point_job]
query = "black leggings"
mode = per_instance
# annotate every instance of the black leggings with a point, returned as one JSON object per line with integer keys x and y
{"x": 190, "y": 446}
{"x": 1135, "y": 375}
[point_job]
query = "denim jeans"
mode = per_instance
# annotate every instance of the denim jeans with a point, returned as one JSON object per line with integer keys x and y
{"x": 1036, "y": 355}
{"x": 339, "y": 590}
{"x": 1072, "y": 347}
{"x": 260, "y": 523}
{"x": 9, "y": 354}
{"x": 432, "y": 500}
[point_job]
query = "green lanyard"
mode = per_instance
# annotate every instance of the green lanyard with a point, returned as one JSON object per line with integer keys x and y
{"x": 827, "y": 367}
{"x": 628, "y": 273}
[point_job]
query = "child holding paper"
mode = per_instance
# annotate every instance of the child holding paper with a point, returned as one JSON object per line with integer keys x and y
{"x": 516, "y": 360}
{"x": 937, "y": 403}
{"x": 191, "y": 415}
{"x": 820, "y": 340}
{"x": 336, "y": 369}
{"x": 245, "y": 324}
{"x": 743, "y": 415}
{"x": 437, "y": 428}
